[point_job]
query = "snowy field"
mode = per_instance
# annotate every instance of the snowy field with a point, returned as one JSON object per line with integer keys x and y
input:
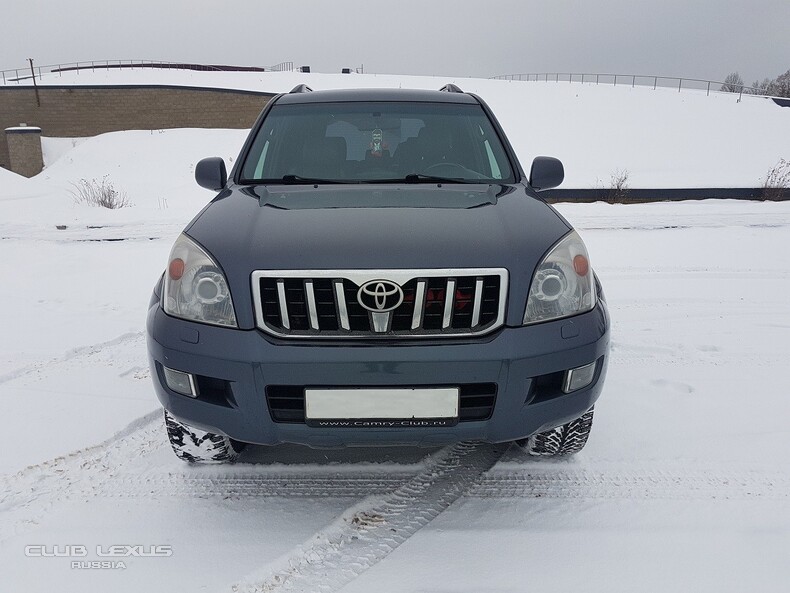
{"x": 684, "y": 485}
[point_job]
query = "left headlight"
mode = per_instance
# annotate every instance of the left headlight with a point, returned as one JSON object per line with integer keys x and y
{"x": 195, "y": 287}
{"x": 563, "y": 284}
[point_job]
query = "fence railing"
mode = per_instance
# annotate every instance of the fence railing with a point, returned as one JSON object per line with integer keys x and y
{"x": 633, "y": 80}
{"x": 20, "y": 75}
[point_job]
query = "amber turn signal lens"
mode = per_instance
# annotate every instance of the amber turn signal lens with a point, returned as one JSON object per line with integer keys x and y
{"x": 176, "y": 269}
{"x": 581, "y": 265}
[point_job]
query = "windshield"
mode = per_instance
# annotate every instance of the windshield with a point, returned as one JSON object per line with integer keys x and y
{"x": 376, "y": 142}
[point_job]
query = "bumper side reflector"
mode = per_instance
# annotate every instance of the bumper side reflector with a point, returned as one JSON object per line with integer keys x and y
{"x": 180, "y": 382}
{"x": 578, "y": 377}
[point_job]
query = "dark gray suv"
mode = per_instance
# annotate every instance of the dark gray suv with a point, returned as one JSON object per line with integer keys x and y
{"x": 377, "y": 270}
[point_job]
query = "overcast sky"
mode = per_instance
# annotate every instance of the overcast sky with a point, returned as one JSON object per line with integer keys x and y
{"x": 689, "y": 38}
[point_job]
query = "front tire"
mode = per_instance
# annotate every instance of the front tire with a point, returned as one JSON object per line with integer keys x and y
{"x": 562, "y": 441}
{"x": 198, "y": 446}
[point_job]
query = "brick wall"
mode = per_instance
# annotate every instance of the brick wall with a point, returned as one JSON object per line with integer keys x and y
{"x": 74, "y": 111}
{"x": 24, "y": 150}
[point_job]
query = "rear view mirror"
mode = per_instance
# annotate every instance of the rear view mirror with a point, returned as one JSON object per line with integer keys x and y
{"x": 546, "y": 173}
{"x": 211, "y": 174}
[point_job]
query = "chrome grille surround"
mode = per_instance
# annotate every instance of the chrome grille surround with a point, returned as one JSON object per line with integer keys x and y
{"x": 284, "y": 300}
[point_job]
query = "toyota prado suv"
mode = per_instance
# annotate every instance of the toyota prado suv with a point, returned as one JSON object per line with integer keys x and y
{"x": 377, "y": 269}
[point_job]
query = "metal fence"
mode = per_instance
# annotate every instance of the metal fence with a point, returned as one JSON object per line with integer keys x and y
{"x": 20, "y": 75}
{"x": 634, "y": 80}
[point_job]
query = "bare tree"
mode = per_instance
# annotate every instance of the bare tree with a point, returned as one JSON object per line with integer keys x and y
{"x": 733, "y": 83}
{"x": 760, "y": 88}
{"x": 780, "y": 87}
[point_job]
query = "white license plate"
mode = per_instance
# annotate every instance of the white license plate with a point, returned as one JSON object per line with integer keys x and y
{"x": 381, "y": 403}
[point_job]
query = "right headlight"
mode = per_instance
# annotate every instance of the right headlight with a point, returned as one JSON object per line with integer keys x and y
{"x": 195, "y": 287}
{"x": 563, "y": 284}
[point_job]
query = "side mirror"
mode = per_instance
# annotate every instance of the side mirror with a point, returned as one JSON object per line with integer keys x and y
{"x": 211, "y": 174}
{"x": 546, "y": 172}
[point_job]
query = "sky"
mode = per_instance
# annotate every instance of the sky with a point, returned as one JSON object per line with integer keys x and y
{"x": 685, "y": 38}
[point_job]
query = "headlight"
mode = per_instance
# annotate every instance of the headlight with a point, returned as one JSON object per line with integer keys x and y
{"x": 563, "y": 284}
{"x": 195, "y": 287}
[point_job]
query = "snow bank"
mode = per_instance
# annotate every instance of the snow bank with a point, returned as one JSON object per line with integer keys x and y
{"x": 149, "y": 165}
{"x": 12, "y": 184}
{"x": 54, "y": 148}
{"x": 153, "y": 168}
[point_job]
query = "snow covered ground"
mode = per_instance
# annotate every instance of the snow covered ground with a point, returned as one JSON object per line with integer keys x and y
{"x": 684, "y": 485}
{"x": 662, "y": 138}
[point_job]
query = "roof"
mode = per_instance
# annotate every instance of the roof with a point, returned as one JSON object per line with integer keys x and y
{"x": 350, "y": 95}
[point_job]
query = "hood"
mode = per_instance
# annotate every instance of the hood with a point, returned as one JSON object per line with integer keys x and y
{"x": 342, "y": 227}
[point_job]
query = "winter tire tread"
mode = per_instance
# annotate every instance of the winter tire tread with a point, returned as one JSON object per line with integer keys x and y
{"x": 198, "y": 446}
{"x": 562, "y": 441}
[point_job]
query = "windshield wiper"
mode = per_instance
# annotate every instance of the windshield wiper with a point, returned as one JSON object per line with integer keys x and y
{"x": 422, "y": 178}
{"x": 410, "y": 178}
{"x": 300, "y": 179}
{"x": 418, "y": 178}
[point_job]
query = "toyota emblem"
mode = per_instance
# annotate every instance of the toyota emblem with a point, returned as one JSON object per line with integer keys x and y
{"x": 380, "y": 296}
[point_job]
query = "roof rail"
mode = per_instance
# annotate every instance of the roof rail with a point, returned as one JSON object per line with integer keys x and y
{"x": 451, "y": 88}
{"x": 301, "y": 88}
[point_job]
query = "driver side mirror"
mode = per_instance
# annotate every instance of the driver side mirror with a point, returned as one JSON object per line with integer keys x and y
{"x": 546, "y": 173}
{"x": 211, "y": 174}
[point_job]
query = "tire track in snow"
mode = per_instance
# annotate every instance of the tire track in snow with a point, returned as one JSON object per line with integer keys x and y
{"x": 69, "y": 356}
{"x": 103, "y": 471}
{"x": 91, "y": 233}
{"x": 30, "y": 493}
{"x": 369, "y": 532}
{"x": 632, "y": 484}
{"x": 263, "y": 485}
{"x": 530, "y": 482}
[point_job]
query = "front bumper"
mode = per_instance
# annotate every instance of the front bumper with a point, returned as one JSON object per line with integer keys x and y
{"x": 247, "y": 362}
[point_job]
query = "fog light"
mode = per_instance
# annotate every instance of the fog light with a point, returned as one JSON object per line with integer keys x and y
{"x": 180, "y": 382}
{"x": 578, "y": 377}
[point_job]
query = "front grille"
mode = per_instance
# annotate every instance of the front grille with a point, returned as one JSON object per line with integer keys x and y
{"x": 397, "y": 303}
{"x": 476, "y": 402}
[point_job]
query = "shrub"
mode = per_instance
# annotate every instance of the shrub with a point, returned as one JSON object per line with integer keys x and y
{"x": 619, "y": 190}
{"x": 99, "y": 193}
{"x": 733, "y": 83}
{"x": 777, "y": 181}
